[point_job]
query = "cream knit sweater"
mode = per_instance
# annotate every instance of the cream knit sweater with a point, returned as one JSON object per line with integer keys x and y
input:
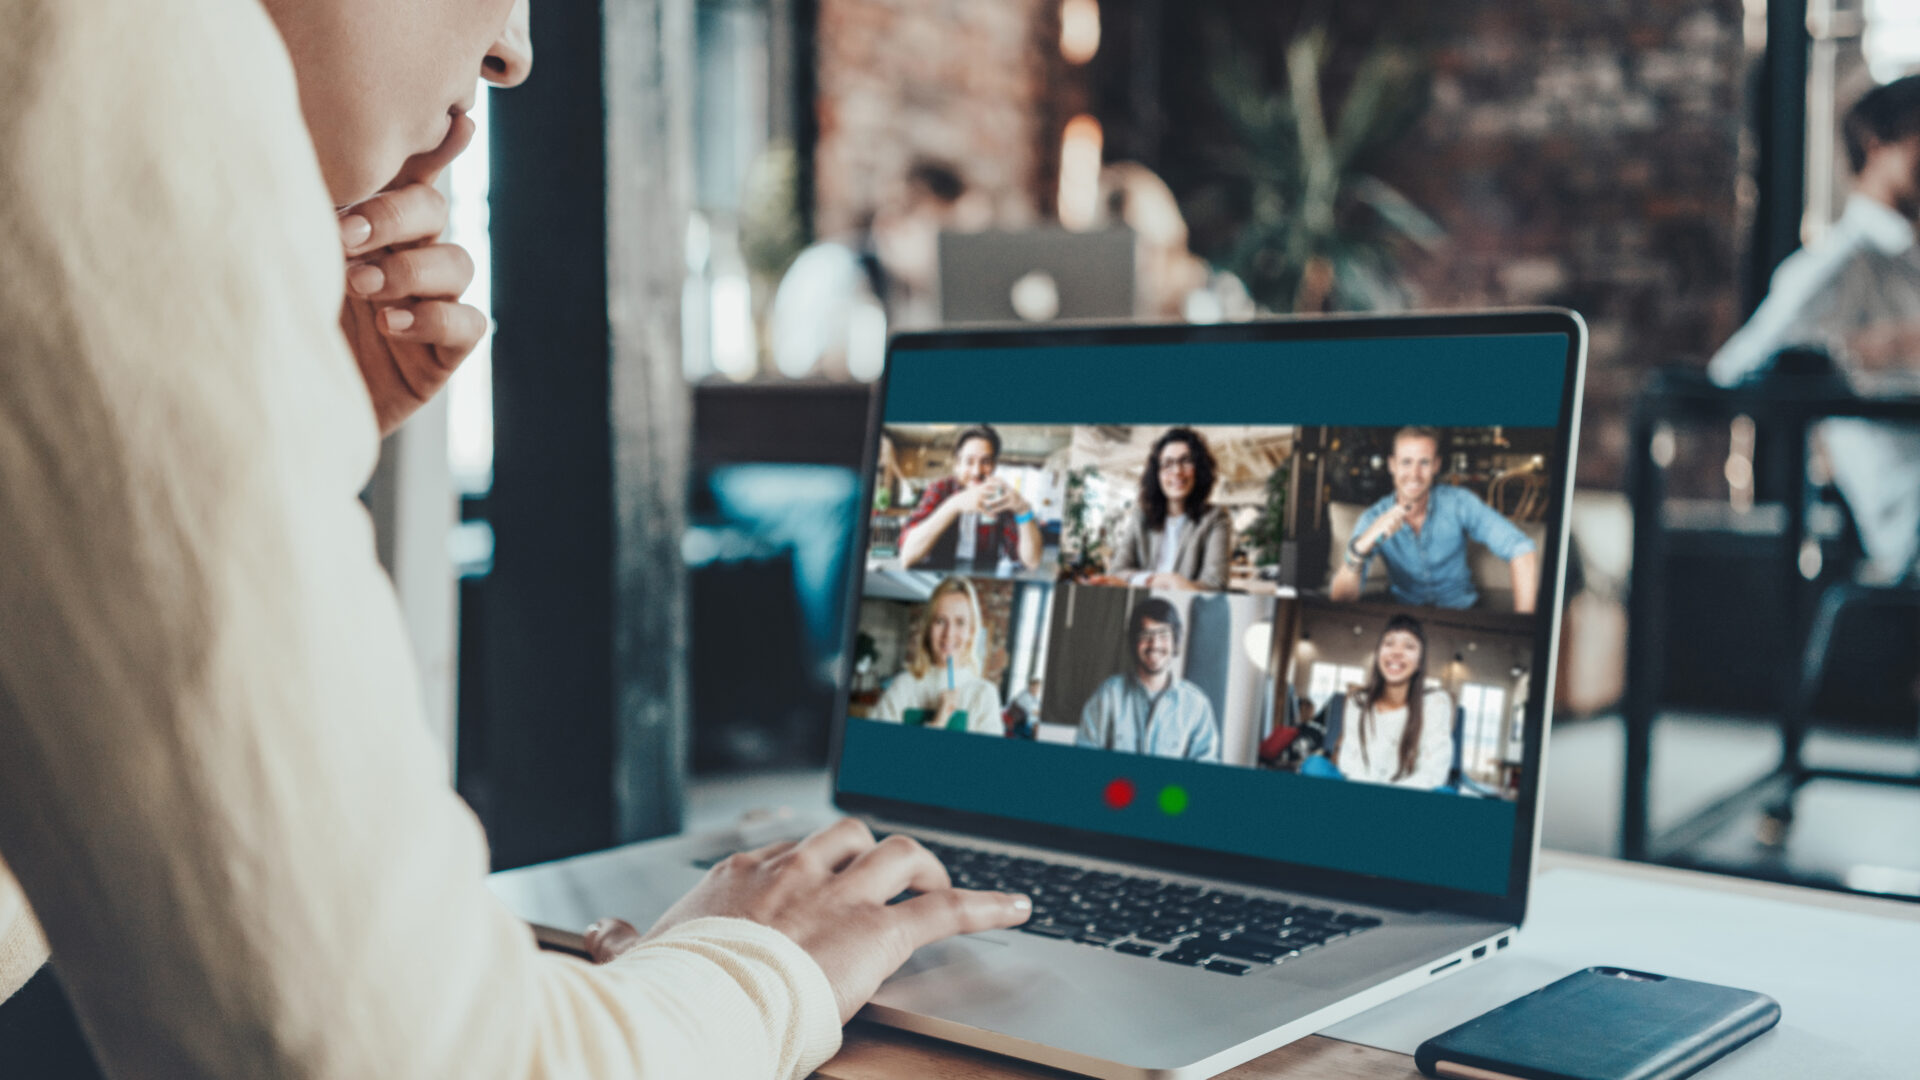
{"x": 215, "y": 787}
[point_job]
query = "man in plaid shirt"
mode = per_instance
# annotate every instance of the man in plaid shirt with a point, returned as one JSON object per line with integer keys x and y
{"x": 972, "y": 519}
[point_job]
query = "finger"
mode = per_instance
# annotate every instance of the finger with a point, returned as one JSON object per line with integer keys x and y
{"x": 404, "y": 215}
{"x": 452, "y": 328}
{"x": 608, "y": 938}
{"x": 897, "y": 864}
{"x": 434, "y": 272}
{"x": 836, "y": 845}
{"x": 768, "y": 851}
{"x": 936, "y": 915}
{"x": 426, "y": 168}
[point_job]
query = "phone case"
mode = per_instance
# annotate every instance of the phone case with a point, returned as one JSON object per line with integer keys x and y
{"x": 1602, "y": 1024}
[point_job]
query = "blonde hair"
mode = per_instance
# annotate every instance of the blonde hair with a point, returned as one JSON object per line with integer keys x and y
{"x": 920, "y": 657}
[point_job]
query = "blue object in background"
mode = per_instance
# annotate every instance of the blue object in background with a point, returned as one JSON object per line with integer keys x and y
{"x": 1318, "y": 765}
{"x": 809, "y": 510}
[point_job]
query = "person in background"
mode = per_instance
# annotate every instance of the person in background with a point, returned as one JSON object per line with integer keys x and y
{"x": 1175, "y": 538}
{"x": 1396, "y": 730}
{"x": 1151, "y": 710}
{"x": 841, "y": 295}
{"x": 222, "y": 805}
{"x": 933, "y": 198}
{"x": 1421, "y": 531}
{"x": 1170, "y": 281}
{"x": 1855, "y": 293}
{"x": 971, "y": 519}
{"x": 942, "y": 686}
{"x": 1023, "y": 712}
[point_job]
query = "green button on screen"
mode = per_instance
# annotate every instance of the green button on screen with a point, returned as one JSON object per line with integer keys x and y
{"x": 1173, "y": 800}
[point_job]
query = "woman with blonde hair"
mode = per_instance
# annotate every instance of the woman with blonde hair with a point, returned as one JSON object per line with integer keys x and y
{"x": 943, "y": 686}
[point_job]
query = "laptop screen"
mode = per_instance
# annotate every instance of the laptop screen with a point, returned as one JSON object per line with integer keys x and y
{"x": 1275, "y": 598}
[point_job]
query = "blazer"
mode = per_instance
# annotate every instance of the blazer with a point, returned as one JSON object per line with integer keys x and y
{"x": 1205, "y": 548}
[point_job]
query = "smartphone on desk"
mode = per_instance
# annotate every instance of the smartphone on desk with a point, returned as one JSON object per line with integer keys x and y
{"x": 1603, "y": 1023}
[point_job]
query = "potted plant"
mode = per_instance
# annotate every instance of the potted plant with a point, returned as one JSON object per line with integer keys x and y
{"x": 1320, "y": 230}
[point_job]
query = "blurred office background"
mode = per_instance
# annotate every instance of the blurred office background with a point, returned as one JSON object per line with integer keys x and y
{"x": 622, "y": 542}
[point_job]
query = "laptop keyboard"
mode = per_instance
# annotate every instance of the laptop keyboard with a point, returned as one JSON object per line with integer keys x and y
{"x": 1216, "y": 929}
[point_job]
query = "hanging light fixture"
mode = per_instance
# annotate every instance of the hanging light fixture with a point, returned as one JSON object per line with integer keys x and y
{"x": 1081, "y": 147}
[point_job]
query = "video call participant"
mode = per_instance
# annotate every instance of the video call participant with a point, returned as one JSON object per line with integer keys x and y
{"x": 1023, "y": 712}
{"x": 1150, "y": 710}
{"x": 942, "y": 685}
{"x": 1421, "y": 531}
{"x": 1389, "y": 733}
{"x": 1175, "y": 539}
{"x": 971, "y": 519}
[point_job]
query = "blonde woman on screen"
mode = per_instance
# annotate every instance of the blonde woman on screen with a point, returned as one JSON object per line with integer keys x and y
{"x": 942, "y": 686}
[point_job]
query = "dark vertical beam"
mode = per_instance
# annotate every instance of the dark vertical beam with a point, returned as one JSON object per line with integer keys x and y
{"x": 1646, "y": 621}
{"x": 649, "y": 95}
{"x": 805, "y": 88}
{"x": 585, "y": 642}
{"x": 1780, "y": 125}
{"x": 1145, "y": 87}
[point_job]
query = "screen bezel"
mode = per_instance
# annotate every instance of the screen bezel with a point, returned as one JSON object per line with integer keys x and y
{"x": 1364, "y": 888}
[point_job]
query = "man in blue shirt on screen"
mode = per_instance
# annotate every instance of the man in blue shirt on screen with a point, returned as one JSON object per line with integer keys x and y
{"x": 1150, "y": 710}
{"x": 1421, "y": 532}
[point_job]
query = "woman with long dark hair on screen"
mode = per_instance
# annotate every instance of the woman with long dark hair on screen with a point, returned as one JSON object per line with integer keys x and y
{"x": 1175, "y": 538}
{"x": 1397, "y": 730}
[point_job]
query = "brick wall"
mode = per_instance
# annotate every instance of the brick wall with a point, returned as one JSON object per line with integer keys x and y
{"x": 1588, "y": 154}
{"x": 962, "y": 81}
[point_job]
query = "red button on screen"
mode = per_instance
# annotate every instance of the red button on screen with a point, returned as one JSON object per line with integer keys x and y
{"x": 1119, "y": 794}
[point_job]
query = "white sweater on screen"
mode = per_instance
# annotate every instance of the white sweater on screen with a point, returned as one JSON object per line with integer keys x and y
{"x": 217, "y": 789}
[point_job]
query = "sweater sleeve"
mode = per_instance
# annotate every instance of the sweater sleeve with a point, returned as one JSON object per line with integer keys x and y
{"x": 22, "y": 947}
{"x": 220, "y": 797}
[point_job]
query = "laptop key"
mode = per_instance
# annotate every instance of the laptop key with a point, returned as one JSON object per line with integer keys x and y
{"x": 1045, "y": 930}
{"x": 1136, "y": 948}
{"x": 1264, "y": 952}
{"x": 1184, "y": 956}
{"x": 1228, "y": 967}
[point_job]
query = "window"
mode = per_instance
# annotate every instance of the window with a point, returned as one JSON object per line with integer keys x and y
{"x": 470, "y": 391}
{"x": 1330, "y": 679}
{"x": 1483, "y": 731}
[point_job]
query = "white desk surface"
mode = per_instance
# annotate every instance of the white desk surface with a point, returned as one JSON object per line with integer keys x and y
{"x": 1845, "y": 969}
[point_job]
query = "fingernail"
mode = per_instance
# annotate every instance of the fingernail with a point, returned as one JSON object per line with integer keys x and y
{"x": 366, "y": 280}
{"x": 354, "y": 230}
{"x": 398, "y": 318}
{"x": 1022, "y": 902}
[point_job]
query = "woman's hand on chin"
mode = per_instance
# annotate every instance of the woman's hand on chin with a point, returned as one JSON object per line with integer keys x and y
{"x": 402, "y": 316}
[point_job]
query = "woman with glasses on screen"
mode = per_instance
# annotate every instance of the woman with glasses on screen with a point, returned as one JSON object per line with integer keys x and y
{"x": 1175, "y": 538}
{"x": 1395, "y": 730}
{"x": 942, "y": 686}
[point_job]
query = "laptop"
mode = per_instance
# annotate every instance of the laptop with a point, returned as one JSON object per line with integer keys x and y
{"x": 1036, "y": 276}
{"x": 1234, "y": 830}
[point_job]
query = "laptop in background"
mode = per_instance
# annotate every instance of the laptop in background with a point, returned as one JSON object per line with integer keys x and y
{"x": 1036, "y": 276}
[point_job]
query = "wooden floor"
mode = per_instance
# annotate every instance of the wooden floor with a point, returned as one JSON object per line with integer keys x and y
{"x": 877, "y": 1053}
